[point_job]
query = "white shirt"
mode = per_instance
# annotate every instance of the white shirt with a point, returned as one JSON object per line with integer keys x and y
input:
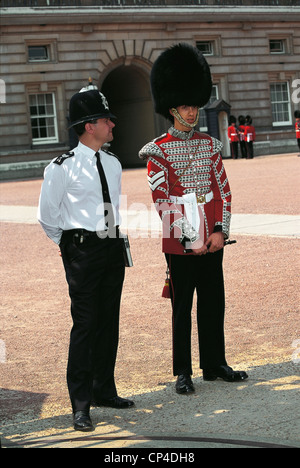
{"x": 71, "y": 194}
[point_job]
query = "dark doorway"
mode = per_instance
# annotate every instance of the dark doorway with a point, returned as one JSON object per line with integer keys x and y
{"x": 127, "y": 90}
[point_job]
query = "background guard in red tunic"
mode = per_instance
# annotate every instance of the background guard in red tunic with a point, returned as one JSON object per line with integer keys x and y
{"x": 241, "y": 131}
{"x": 186, "y": 166}
{"x": 233, "y": 137}
{"x": 250, "y": 137}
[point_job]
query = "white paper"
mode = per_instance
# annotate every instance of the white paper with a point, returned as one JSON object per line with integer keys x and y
{"x": 191, "y": 210}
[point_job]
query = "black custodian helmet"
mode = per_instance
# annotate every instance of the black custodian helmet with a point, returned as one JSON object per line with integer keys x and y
{"x": 180, "y": 76}
{"x": 88, "y": 105}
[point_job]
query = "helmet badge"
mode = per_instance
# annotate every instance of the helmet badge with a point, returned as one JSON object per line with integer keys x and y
{"x": 104, "y": 101}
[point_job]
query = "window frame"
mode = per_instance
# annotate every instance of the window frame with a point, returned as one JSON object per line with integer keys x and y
{"x": 215, "y": 41}
{"x": 39, "y": 60}
{"x": 287, "y": 41}
{"x": 280, "y": 123}
{"x": 49, "y": 42}
{"x": 48, "y": 139}
{"x": 211, "y": 45}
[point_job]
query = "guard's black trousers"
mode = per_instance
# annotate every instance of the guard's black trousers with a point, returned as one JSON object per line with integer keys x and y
{"x": 205, "y": 275}
{"x": 95, "y": 274}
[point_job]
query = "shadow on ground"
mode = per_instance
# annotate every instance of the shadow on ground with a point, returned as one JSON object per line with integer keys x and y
{"x": 260, "y": 412}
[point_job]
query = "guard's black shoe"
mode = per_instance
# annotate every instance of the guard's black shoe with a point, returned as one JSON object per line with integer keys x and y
{"x": 184, "y": 384}
{"x": 224, "y": 372}
{"x": 116, "y": 402}
{"x": 82, "y": 421}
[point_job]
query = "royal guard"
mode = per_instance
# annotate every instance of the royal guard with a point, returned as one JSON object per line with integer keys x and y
{"x": 297, "y": 127}
{"x": 233, "y": 137}
{"x": 250, "y": 137}
{"x": 241, "y": 132}
{"x": 191, "y": 192}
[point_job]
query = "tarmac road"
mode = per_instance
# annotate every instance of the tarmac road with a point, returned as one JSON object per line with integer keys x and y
{"x": 262, "y": 327}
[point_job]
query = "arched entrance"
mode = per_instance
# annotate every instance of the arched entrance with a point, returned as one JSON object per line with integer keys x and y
{"x": 127, "y": 90}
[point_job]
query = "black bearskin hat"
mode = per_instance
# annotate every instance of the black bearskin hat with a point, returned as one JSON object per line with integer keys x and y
{"x": 297, "y": 114}
{"x": 180, "y": 76}
{"x": 242, "y": 120}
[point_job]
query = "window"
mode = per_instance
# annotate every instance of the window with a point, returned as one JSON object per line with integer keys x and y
{"x": 281, "y": 104}
{"x": 207, "y": 48}
{"x": 277, "y": 46}
{"x": 281, "y": 44}
{"x": 43, "y": 118}
{"x": 202, "y": 119}
{"x": 38, "y": 53}
{"x": 42, "y": 50}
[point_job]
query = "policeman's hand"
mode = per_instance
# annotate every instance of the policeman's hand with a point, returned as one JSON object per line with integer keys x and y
{"x": 215, "y": 242}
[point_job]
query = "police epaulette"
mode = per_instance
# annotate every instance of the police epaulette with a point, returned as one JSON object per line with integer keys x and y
{"x": 64, "y": 156}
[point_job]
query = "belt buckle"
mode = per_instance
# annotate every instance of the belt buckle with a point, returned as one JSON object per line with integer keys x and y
{"x": 79, "y": 237}
{"x": 201, "y": 198}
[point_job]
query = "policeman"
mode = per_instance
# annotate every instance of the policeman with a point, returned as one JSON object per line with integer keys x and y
{"x": 79, "y": 211}
{"x": 192, "y": 195}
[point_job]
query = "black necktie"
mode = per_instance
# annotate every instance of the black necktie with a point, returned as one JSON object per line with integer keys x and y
{"x": 108, "y": 212}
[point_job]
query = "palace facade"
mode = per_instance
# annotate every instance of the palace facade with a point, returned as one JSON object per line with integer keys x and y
{"x": 50, "y": 49}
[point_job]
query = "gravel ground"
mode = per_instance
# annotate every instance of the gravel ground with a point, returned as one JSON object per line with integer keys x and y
{"x": 262, "y": 326}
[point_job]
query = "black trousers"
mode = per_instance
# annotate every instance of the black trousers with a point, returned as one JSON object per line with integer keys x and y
{"x": 203, "y": 274}
{"x": 95, "y": 274}
{"x": 234, "y": 149}
{"x": 250, "y": 150}
{"x": 243, "y": 149}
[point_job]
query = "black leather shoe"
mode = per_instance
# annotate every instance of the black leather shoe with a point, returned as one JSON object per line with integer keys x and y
{"x": 116, "y": 402}
{"x": 224, "y": 372}
{"x": 82, "y": 421}
{"x": 184, "y": 384}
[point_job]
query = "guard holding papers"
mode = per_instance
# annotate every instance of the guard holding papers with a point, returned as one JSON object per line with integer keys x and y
{"x": 191, "y": 192}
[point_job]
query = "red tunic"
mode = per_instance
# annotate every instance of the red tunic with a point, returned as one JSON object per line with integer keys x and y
{"x": 182, "y": 163}
{"x": 242, "y": 132}
{"x": 233, "y": 134}
{"x": 297, "y": 127}
{"x": 250, "y": 133}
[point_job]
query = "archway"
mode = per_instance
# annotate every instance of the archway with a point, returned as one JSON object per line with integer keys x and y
{"x": 127, "y": 90}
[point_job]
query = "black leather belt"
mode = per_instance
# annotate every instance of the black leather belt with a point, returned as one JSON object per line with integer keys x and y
{"x": 78, "y": 236}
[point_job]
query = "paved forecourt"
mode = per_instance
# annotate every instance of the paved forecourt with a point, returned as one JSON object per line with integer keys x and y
{"x": 262, "y": 326}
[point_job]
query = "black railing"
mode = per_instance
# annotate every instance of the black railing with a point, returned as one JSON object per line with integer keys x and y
{"x": 141, "y": 3}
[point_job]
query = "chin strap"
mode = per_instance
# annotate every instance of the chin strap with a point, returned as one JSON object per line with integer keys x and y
{"x": 183, "y": 122}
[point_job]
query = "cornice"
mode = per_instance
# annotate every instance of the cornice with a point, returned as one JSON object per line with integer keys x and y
{"x": 181, "y": 14}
